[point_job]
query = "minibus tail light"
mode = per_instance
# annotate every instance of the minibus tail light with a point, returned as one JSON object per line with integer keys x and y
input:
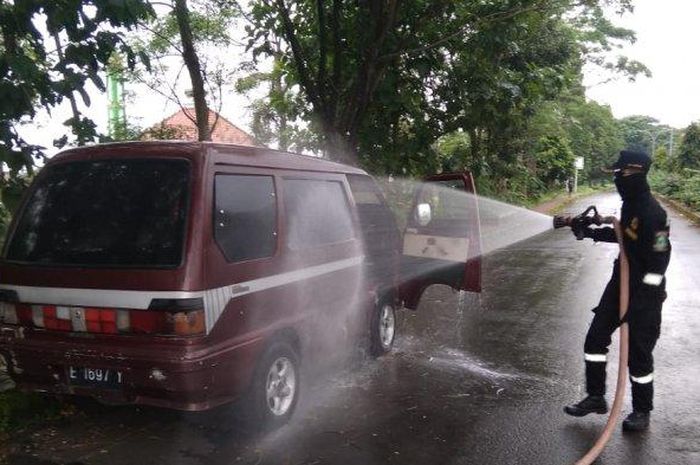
{"x": 56, "y": 318}
{"x": 189, "y": 323}
{"x": 101, "y": 320}
{"x": 184, "y": 317}
{"x": 147, "y": 322}
{"x": 168, "y": 323}
{"x": 165, "y": 317}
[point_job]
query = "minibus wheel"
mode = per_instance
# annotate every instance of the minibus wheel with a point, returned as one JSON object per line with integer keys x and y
{"x": 276, "y": 386}
{"x": 382, "y": 329}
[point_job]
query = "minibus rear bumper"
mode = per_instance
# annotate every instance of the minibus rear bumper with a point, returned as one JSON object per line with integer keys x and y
{"x": 189, "y": 377}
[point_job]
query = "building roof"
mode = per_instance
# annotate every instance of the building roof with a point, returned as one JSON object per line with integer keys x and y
{"x": 180, "y": 126}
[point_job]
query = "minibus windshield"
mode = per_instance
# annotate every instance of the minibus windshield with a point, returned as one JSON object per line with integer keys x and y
{"x": 118, "y": 212}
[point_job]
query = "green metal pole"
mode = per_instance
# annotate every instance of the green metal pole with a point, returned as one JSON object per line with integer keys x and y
{"x": 116, "y": 121}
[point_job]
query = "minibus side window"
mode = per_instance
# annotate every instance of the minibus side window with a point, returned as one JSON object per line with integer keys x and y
{"x": 379, "y": 230}
{"x": 318, "y": 213}
{"x": 245, "y": 216}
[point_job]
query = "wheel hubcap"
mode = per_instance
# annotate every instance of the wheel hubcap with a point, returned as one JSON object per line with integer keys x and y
{"x": 281, "y": 386}
{"x": 387, "y": 326}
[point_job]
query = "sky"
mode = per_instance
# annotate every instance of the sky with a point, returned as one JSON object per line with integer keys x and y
{"x": 667, "y": 37}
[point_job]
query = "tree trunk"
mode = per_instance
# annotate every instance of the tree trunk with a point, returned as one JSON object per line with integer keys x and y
{"x": 278, "y": 87}
{"x": 81, "y": 140}
{"x": 189, "y": 55}
{"x": 338, "y": 147}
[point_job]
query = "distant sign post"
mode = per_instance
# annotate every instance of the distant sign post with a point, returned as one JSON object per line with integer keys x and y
{"x": 578, "y": 165}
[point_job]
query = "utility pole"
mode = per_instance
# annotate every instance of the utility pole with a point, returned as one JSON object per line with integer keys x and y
{"x": 653, "y": 136}
{"x": 670, "y": 144}
{"x": 116, "y": 111}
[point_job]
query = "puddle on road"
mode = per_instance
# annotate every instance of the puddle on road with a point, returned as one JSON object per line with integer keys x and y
{"x": 458, "y": 360}
{"x": 447, "y": 358}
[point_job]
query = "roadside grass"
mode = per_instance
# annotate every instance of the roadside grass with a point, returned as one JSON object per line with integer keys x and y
{"x": 583, "y": 191}
{"x": 680, "y": 189}
{"x": 555, "y": 202}
{"x": 692, "y": 214}
{"x": 19, "y": 410}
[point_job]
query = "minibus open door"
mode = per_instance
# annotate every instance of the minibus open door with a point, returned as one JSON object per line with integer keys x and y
{"x": 442, "y": 238}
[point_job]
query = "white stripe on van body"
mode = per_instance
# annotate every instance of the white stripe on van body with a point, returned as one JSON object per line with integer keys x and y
{"x": 80, "y": 297}
{"x": 215, "y": 300}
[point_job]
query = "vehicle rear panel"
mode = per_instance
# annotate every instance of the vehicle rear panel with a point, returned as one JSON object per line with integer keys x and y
{"x": 41, "y": 358}
{"x": 245, "y": 303}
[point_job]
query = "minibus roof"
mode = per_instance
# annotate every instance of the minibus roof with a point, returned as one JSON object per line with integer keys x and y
{"x": 223, "y": 153}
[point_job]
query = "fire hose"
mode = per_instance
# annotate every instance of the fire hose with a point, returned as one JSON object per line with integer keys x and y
{"x": 577, "y": 224}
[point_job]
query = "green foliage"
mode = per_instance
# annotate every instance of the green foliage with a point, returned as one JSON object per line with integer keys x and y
{"x": 162, "y": 132}
{"x": 638, "y": 132}
{"x": 188, "y": 38}
{"x": 588, "y": 129}
{"x": 276, "y": 118}
{"x": 388, "y": 84}
{"x": 678, "y": 176}
{"x": 210, "y": 21}
{"x": 594, "y": 135}
{"x": 555, "y": 160}
{"x": 689, "y": 156}
{"x": 18, "y": 409}
{"x": 681, "y": 186}
{"x": 455, "y": 153}
{"x": 49, "y": 51}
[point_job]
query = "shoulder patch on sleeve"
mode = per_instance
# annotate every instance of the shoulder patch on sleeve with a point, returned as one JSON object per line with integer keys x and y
{"x": 661, "y": 243}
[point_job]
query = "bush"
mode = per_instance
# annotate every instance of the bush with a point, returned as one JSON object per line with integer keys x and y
{"x": 684, "y": 187}
{"x": 18, "y": 409}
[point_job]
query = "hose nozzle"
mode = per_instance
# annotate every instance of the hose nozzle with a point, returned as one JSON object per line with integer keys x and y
{"x": 561, "y": 221}
{"x": 580, "y": 222}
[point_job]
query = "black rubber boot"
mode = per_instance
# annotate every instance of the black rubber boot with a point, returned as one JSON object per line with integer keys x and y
{"x": 636, "y": 421}
{"x": 591, "y": 404}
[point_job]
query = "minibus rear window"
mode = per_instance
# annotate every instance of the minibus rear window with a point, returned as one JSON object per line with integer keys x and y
{"x": 125, "y": 212}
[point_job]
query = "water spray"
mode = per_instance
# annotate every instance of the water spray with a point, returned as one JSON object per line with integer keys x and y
{"x": 578, "y": 224}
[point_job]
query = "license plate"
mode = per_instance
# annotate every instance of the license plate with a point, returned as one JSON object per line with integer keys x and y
{"x": 97, "y": 377}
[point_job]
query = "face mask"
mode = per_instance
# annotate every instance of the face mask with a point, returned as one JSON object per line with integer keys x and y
{"x": 631, "y": 186}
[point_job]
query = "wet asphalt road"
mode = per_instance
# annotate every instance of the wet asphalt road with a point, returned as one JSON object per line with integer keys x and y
{"x": 477, "y": 381}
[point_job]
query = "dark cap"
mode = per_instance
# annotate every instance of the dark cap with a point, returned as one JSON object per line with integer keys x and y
{"x": 629, "y": 159}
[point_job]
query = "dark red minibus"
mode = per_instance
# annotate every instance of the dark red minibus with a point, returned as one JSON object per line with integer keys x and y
{"x": 186, "y": 275}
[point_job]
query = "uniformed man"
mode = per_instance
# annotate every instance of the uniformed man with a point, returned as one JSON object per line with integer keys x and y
{"x": 646, "y": 240}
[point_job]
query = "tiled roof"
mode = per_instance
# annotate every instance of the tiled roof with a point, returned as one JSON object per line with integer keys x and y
{"x": 183, "y": 128}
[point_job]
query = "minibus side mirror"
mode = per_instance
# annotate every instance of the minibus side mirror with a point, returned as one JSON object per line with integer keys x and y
{"x": 423, "y": 214}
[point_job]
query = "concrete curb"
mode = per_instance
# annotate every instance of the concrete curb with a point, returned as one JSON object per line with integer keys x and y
{"x": 681, "y": 208}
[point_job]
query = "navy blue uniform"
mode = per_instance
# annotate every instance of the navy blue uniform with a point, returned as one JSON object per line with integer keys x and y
{"x": 646, "y": 241}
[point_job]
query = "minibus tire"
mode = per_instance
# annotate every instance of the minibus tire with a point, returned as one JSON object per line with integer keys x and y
{"x": 259, "y": 407}
{"x": 381, "y": 343}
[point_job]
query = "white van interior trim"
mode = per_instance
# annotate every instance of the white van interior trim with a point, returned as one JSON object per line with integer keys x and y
{"x": 454, "y": 249}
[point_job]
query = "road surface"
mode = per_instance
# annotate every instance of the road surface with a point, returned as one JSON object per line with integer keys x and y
{"x": 481, "y": 381}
